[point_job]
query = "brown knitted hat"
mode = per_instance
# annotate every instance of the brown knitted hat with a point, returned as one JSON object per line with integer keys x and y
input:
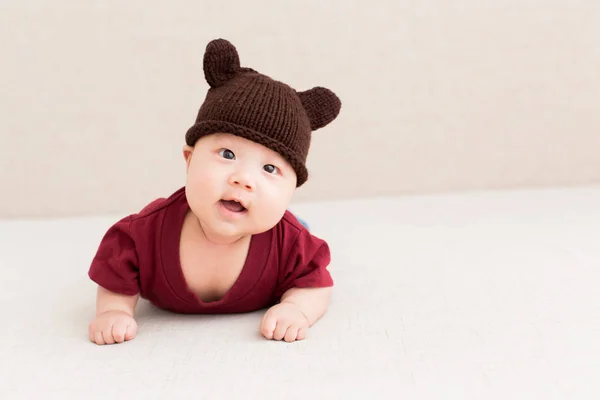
{"x": 243, "y": 102}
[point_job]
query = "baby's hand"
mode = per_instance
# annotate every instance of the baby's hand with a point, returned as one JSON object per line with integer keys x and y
{"x": 112, "y": 327}
{"x": 284, "y": 321}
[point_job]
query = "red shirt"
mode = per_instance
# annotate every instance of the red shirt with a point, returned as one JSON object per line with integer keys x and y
{"x": 140, "y": 254}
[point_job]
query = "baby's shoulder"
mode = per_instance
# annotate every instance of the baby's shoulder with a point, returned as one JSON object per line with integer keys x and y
{"x": 291, "y": 232}
{"x": 158, "y": 205}
{"x": 290, "y": 224}
{"x": 150, "y": 220}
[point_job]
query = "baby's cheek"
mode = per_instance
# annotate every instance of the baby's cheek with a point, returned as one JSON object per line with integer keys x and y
{"x": 196, "y": 197}
{"x": 275, "y": 210}
{"x": 202, "y": 184}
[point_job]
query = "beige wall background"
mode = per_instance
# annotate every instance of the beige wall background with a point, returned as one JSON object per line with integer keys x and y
{"x": 95, "y": 97}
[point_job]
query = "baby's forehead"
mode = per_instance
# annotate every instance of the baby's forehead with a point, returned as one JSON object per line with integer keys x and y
{"x": 227, "y": 137}
{"x": 240, "y": 142}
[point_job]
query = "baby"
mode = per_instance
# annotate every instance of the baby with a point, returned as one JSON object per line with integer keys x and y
{"x": 225, "y": 242}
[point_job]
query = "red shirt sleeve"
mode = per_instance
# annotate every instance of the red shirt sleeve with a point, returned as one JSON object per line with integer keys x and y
{"x": 306, "y": 264}
{"x": 115, "y": 265}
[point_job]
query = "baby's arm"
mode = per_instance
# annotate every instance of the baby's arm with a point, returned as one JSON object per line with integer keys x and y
{"x": 114, "y": 321}
{"x": 303, "y": 289}
{"x": 299, "y": 309}
{"x": 312, "y": 302}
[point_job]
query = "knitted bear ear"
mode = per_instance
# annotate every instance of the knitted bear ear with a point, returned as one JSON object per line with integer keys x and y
{"x": 321, "y": 105}
{"x": 221, "y": 62}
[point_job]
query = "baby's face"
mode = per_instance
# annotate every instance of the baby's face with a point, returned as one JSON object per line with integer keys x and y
{"x": 237, "y": 187}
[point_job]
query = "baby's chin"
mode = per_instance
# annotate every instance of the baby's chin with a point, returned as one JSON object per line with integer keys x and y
{"x": 226, "y": 228}
{"x": 245, "y": 229}
{"x": 223, "y": 232}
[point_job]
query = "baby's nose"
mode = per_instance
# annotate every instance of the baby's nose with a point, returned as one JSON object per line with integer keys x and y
{"x": 242, "y": 180}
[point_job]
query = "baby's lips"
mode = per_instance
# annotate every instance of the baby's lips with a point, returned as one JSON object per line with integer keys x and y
{"x": 233, "y": 205}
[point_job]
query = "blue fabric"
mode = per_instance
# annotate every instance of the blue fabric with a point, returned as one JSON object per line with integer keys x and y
{"x": 303, "y": 223}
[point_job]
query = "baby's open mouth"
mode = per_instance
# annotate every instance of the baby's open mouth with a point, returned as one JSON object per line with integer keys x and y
{"x": 233, "y": 206}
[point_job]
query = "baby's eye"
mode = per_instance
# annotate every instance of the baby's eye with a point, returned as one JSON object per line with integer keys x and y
{"x": 228, "y": 154}
{"x": 270, "y": 168}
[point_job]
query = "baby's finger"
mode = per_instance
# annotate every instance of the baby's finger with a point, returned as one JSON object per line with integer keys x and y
{"x": 131, "y": 330}
{"x": 107, "y": 335}
{"x": 98, "y": 338}
{"x": 301, "y": 334}
{"x": 280, "y": 330}
{"x": 268, "y": 326}
{"x": 291, "y": 333}
{"x": 90, "y": 333}
{"x": 118, "y": 332}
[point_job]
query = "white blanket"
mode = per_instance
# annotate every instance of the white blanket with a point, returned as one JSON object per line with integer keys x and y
{"x": 488, "y": 295}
